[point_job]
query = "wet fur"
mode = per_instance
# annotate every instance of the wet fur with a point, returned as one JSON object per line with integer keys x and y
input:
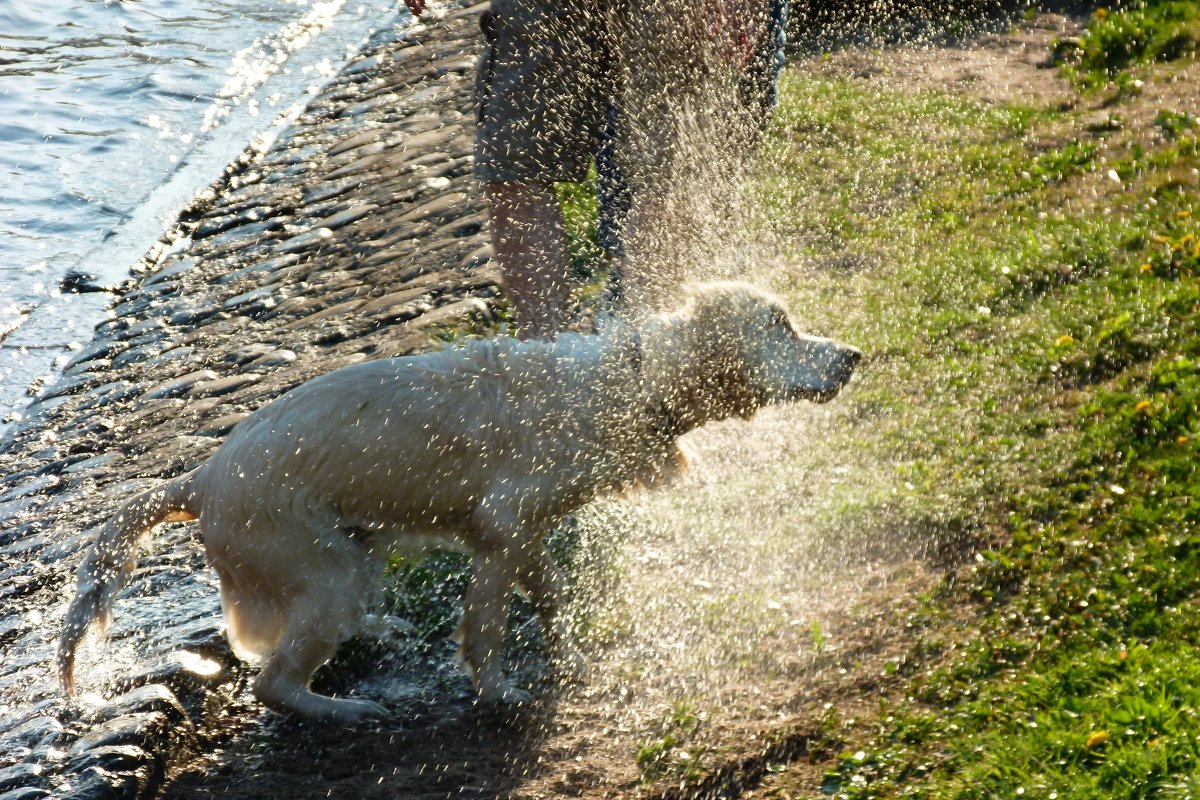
{"x": 484, "y": 446}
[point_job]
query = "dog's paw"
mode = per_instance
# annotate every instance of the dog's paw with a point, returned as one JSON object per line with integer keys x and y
{"x": 387, "y": 629}
{"x": 351, "y": 712}
{"x": 505, "y": 695}
{"x": 570, "y": 665}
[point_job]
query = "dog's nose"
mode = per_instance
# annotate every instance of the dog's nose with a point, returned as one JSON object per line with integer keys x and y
{"x": 853, "y": 355}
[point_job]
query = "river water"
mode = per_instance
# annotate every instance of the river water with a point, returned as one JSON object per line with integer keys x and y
{"x": 113, "y": 115}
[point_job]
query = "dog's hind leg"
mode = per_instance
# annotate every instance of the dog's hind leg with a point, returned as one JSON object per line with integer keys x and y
{"x": 254, "y": 619}
{"x": 326, "y": 608}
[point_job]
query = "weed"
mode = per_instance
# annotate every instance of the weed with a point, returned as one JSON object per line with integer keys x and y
{"x": 672, "y": 751}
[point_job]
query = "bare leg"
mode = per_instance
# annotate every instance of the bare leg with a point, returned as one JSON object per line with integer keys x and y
{"x": 531, "y": 250}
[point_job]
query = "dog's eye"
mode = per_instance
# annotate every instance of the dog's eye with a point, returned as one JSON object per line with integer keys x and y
{"x": 779, "y": 318}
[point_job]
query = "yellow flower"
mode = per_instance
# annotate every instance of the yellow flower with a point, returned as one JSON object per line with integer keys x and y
{"x": 1065, "y": 339}
{"x": 1184, "y": 214}
{"x": 1100, "y": 14}
{"x": 1146, "y": 267}
{"x": 1143, "y": 407}
{"x": 1181, "y": 439}
{"x": 1096, "y": 739}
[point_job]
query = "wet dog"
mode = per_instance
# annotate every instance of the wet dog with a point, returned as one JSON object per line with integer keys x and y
{"x": 484, "y": 446}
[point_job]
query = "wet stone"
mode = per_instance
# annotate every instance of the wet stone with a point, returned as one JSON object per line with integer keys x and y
{"x": 13, "y": 627}
{"x": 188, "y": 312}
{"x": 113, "y": 758}
{"x": 438, "y": 207}
{"x": 63, "y": 547}
{"x": 221, "y": 425}
{"x": 144, "y": 730}
{"x": 174, "y": 354}
{"x": 223, "y": 386}
{"x": 152, "y": 697}
{"x": 86, "y": 367}
{"x": 183, "y": 672}
{"x": 69, "y": 386}
{"x": 25, "y": 793}
{"x": 109, "y": 394}
{"x": 136, "y": 355}
{"x": 370, "y": 136}
{"x": 103, "y": 348}
{"x": 247, "y": 353}
{"x": 214, "y": 225}
{"x": 95, "y": 783}
{"x": 17, "y": 587}
{"x": 173, "y": 270}
{"x": 20, "y": 776}
{"x": 273, "y": 359}
{"x": 244, "y": 232}
{"x": 31, "y": 733}
{"x": 38, "y": 485}
{"x": 263, "y": 296}
{"x": 94, "y": 463}
{"x": 352, "y": 214}
{"x": 326, "y": 190}
{"x": 180, "y": 386}
{"x": 454, "y": 313}
{"x": 204, "y": 635}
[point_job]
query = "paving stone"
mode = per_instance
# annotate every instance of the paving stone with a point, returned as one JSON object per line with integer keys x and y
{"x": 273, "y": 359}
{"x": 34, "y": 486}
{"x": 369, "y": 190}
{"x": 221, "y": 425}
{"x": 143, "y": 729}
{"x": 184, "y": 672}
{"x": 264, "y": 296}
{"x": 180, "y": 386}
{"x": 93, "y": 463}
{"x": 25, "y": 793}
{"x": 172, "y": 270}
{"x": 118, "y": 758}
{"x": 31, "y": 732}
{"x": 151, "y": 697}
{"x": 95, "y": 783}
{"x": 109, "y": 394}
{"x": 20, "y": 776}
{"x": 352, "y": 214}
{"x": 223, "y": 386}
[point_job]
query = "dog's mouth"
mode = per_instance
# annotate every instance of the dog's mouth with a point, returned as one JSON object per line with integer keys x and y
{"x": 815, "y": 395}
{"x": 836, "y": 375}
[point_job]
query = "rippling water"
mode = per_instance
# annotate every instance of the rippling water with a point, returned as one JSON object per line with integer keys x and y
{"x": 113, "y": 115}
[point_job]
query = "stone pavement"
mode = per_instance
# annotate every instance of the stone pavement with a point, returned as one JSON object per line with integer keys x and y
{"x": 359, "y": 234}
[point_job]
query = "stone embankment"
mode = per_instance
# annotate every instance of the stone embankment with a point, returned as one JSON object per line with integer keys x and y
{"x": 358, "y": 234}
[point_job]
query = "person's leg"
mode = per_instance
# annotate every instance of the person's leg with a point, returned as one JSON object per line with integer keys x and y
{"x": 539, "y": 88}
{"x": 530, "y": 248}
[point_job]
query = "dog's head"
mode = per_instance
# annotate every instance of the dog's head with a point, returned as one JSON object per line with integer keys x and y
{"x": 753, "y": 345}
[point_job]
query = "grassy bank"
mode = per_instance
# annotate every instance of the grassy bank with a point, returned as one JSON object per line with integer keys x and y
{"x": 1026, "y": 277}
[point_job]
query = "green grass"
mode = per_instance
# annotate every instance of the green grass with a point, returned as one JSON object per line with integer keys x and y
{"x": 1027, "y": 288}
{"x": 1031, "y": 316}
{"x": 1145, "y": 32}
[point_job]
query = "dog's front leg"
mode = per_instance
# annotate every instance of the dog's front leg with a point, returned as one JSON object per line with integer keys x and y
{"x": 484, "y": 623}
{"x": 542, "y": 582}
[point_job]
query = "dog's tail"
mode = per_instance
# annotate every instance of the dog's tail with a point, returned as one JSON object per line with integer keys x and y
{"x": 107, "y": 566}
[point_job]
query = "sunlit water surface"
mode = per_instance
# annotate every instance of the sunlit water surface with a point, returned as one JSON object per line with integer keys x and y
{"x": 113, "y": 115}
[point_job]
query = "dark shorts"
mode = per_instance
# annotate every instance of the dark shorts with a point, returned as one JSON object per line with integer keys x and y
{"x": 545, "y": 83}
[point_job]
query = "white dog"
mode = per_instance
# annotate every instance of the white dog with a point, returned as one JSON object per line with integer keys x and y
{"x": 484, "y": 446}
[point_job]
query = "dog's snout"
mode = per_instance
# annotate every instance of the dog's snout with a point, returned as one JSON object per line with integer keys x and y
{"x": 853, "y": 356}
